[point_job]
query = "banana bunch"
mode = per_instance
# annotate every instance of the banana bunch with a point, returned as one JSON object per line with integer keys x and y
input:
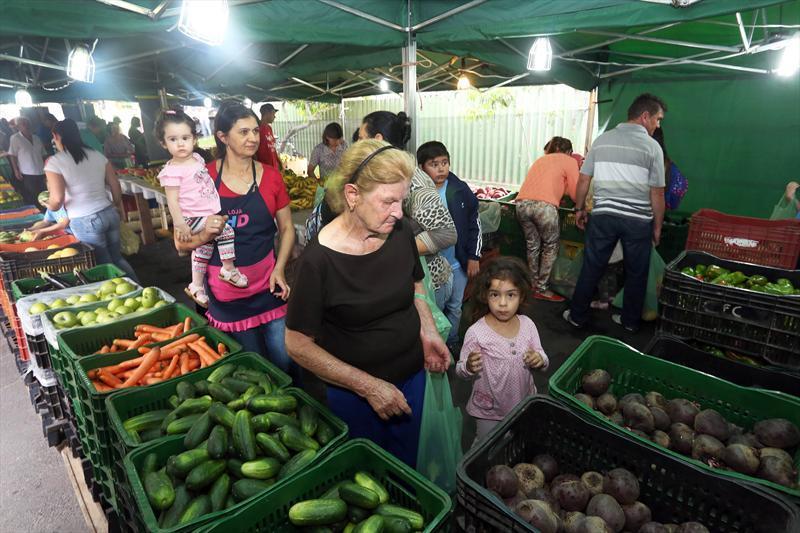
{"x": 301, "y": 190}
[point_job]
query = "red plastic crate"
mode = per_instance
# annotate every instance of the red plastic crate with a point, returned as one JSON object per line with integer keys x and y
{"x": 749, "y": 240}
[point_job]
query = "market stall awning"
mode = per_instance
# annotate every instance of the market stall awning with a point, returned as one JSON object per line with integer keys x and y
{"x": 329, "y": 49}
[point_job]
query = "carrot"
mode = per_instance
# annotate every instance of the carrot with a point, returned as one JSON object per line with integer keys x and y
{"x": 187, "y": 323}
{"x": 110, "y": 379}
{"x": 141, "y": 341}
{"x": 114, "y": 349}
{"x": 176, "y": 330}
{"x": 194, "y": 364}
{"x": 104, "y": 349}
{"x": 160, "y": 337}
{"x": 173, "y": 366}
{"x": 205, "y": 359}
{"x": 203, "y": 345}
{"x": 146, "y": 328}
{"x": 148, "y": 361}
{"x": 184, "y": 357}
{"x": 152, "y": 381}
{"x": 123, "y": 343}
{"x": 183, "y": 340}
{"x": 222, "y": 349}
{"x": 100, "y": 386}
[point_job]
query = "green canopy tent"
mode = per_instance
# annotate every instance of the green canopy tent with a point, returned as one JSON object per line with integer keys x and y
{"x": 711, "y": 61}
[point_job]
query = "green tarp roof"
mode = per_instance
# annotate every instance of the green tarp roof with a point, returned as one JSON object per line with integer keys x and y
{"x": 137, "y": 53}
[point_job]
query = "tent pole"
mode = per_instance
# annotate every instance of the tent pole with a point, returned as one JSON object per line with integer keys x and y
{"x": 410, "y": 82}
{"x": 590, "y": 121}
{"x": 162, "y": 97}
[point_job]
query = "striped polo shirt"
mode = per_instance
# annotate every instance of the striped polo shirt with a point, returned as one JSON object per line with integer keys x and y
{"x": 624, "y": 164}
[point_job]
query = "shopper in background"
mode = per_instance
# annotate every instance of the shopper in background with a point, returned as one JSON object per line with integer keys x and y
{"x": 464, "y": 256}
{"x": 550, "y": 177}
{"x": 27, "y": 160}
{"x": 139, "y": 144}
{"x": 118, "y": 148}
{"x": 46, "y": 123}
{"x": 79, "y": 178}
{"x": 94, "y": 134}
{"x": 255, "y": 202}
{"x": 328, "y": 153}
{"x": 354, "y": 321}
{"x": 267, "y": 153}
{"x": 5, "y": 134}
{"x": 626, "y": 166}
{"x": 675, "y": 182}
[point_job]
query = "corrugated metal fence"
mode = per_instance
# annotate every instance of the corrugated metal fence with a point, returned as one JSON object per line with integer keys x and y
{"x": 493, "y": 137}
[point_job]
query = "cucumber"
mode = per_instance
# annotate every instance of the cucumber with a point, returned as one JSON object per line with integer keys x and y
{"x": 414, "y": 518}
{"x": 254, "y": 390}
{"x": 245, "y": 488}
{"x": 317, "y": 529}
{"x": 267, "y": 384}
{"x": 172, "y": 470}
{"x": 134, "y": 436}
{"x": 169, "y": 419}
{"x": 173, "y": 401}
{"x": 373, "y": 524}
{"x": 265, "y": 403}
{"x": 159, "y": 490}
{"x": 395, "y": 524}
{"x": 194, "y": 406}
{"x": 173, "y": 514}
{"x": 246, "y": 374}
{"x": 309, "y": 420}
{"x": 230, "y": 502}
{"x": 221, "y": 415}
{"x": 221, "y": 394}
{"x": 237, "y": 405}
{"x": 273, "y": 447}
{"x": 218, "y": 442}
{"x": 279, "y": 420}
{"x": 199, "y": 431}
{"x": 325, "y": 433}
{"x": 186, "y": 461}
{"x": 219, "y": 492}
{"x": 296, "y": 440}
{"x": 357, "y": 514}
{"x": 264, "y": 468}
{"x": 244, "y": 440}
{"x": 150, "y": 434}
{"x": 182, "y": 425}
{"x": 205, "y": 474}
{"x": 317, "y": 512}
{"x": 261, "y": 423}
{"x": 185, "y": 390}
{"x": 349, "y": 528}
{"x": 332, "y": 493}
{"x": 297, "y": 463}
{"x": 367, "y": 480}
{"x": 198, "y": 507}
{"x": 201, "y": 387}
{"x": 221, "y": 372}
{"x": 235, "y": 467}
{"x": 355, "y": 494}
{"x": 145, "y": 421}
{"x": 236, "y": 385}
{"x": 150, "y": 464}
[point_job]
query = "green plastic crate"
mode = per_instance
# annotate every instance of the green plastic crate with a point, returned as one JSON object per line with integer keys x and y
{"x": 270, "y": 513}
{"x": 174, "y": 445}
{"x": 633, "y": 371}
{"x": 124, "y": 404}
{"x": 24, "y": 287}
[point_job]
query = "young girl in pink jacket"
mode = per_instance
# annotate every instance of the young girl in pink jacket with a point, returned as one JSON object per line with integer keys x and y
{"x": 502, "y": 349}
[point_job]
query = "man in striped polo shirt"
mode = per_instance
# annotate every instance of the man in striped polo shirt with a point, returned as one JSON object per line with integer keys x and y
{"x": 627, "y": 167}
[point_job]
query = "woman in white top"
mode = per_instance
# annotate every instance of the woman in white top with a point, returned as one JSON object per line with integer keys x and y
{"x": 79, "y": 178}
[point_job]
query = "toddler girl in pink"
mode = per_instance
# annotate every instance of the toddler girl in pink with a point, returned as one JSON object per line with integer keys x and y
{"x": 502, "y": 349}
{"x": 192, "y": 197}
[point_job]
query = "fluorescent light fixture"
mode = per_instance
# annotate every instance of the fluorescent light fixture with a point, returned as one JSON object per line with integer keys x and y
{"x": 204, "y": 20}
{"x": 790, "y": 58}
{"x": 80, "y": 65}
{"x": 207, "y": 102}
{"x": 247, "y": 103}
{"x": 384, "y": 85}
{"x": 23, "y": 98}
{"x": 540, "y": 58}
{"x": 463, "y": 83}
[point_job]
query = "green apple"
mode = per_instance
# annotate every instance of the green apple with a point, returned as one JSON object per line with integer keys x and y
{"x": 123, "y": 310}
{"x": 101, "y": 311}
{"x": 117, "y": 281}
{"x": 88, "y": 318}
{"x": 114, "y": 303}
{"x": 106, "y": 318}
{"x": 124, "y": 288}
{"x": 88, "y": 298}
{"x": 138, "y": 299}
{"x": 65, "y": 319}
{"x": 133, "y": 304}
{"x": 108, "y": 287}
{"x": 149, "y": 297}
{"x": 72, "y": 300}
{"x": 81, "y": 313}
{"x": 160, "y": 303}
{"x": 57, "y": 304}
{"x": 37, "y": 308}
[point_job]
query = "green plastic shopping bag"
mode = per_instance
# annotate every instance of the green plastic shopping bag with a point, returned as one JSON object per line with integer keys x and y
{"x": 655, "y": 280}
{"x": 783, "y": 210}
{"x": 440, "y": 432}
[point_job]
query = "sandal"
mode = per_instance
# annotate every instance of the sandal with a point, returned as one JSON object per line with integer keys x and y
{"x": 234, "y": 277}
{"x": 198, "y": 295}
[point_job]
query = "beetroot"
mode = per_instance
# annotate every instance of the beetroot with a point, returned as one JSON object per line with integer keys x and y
{"x": 502, "y": 480}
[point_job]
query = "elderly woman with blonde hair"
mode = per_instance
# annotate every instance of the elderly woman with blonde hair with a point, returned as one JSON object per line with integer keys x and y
{"x": 353, "y": 318}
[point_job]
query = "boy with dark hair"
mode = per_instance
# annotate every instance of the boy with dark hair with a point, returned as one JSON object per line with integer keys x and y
{"x": 463, "y": 257}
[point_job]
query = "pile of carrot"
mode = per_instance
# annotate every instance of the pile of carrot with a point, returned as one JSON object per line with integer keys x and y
{"x": 146, "y": 334}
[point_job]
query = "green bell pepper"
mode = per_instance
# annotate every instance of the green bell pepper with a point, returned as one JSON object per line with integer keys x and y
{"x": 715, "y": 271}
{"x": 778, "y": 290}
{"x": 757, "y": 288}
{"x": 783, "y": 282}
{"x": 700, "y": 269}
{"x": 757, "y": 280}
{"x": 736, "y": 278}
{"x": 689, "y": 271}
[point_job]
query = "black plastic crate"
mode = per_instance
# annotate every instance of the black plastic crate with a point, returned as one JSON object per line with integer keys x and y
{"x": 677, "y": 351}
{"x": 675, "y": 491}
{"x": 756, "y": 324}
{"x": 54, "y": 430}
{"x": 21, "y": 265}
{"x": 37, "y": 348}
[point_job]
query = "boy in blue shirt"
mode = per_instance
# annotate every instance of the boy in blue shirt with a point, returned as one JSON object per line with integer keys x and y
{"x": 464, "y": 256}
{"x": 53, "y": 221}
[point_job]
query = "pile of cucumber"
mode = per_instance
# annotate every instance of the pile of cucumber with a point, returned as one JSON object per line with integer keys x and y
{"x": 234, "y": 450}
{"x": 359, "y": 506}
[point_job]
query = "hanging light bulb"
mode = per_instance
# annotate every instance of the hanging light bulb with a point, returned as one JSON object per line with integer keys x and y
{"x": 790, "y": 59}
{"x": 247, "y": 103}
{"x": 23, "y": 98}
{"x": 204, "y": 20}
{"x": 207, "y": 102}
{"x": 80, "y": 65}
{"x": 463, "y": 83}
{"x": 384, "y": 85}
{"x": 540, "y": 58}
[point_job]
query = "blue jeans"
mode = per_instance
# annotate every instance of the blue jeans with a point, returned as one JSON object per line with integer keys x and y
{"x": 101, "y": 230}
{"x": 601, "y": 237}
{"x": 267, "y": 340}
{"x": 452, "y": 305}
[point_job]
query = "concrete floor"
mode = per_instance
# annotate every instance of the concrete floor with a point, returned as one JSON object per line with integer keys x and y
{"x": 35, "y": 495}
